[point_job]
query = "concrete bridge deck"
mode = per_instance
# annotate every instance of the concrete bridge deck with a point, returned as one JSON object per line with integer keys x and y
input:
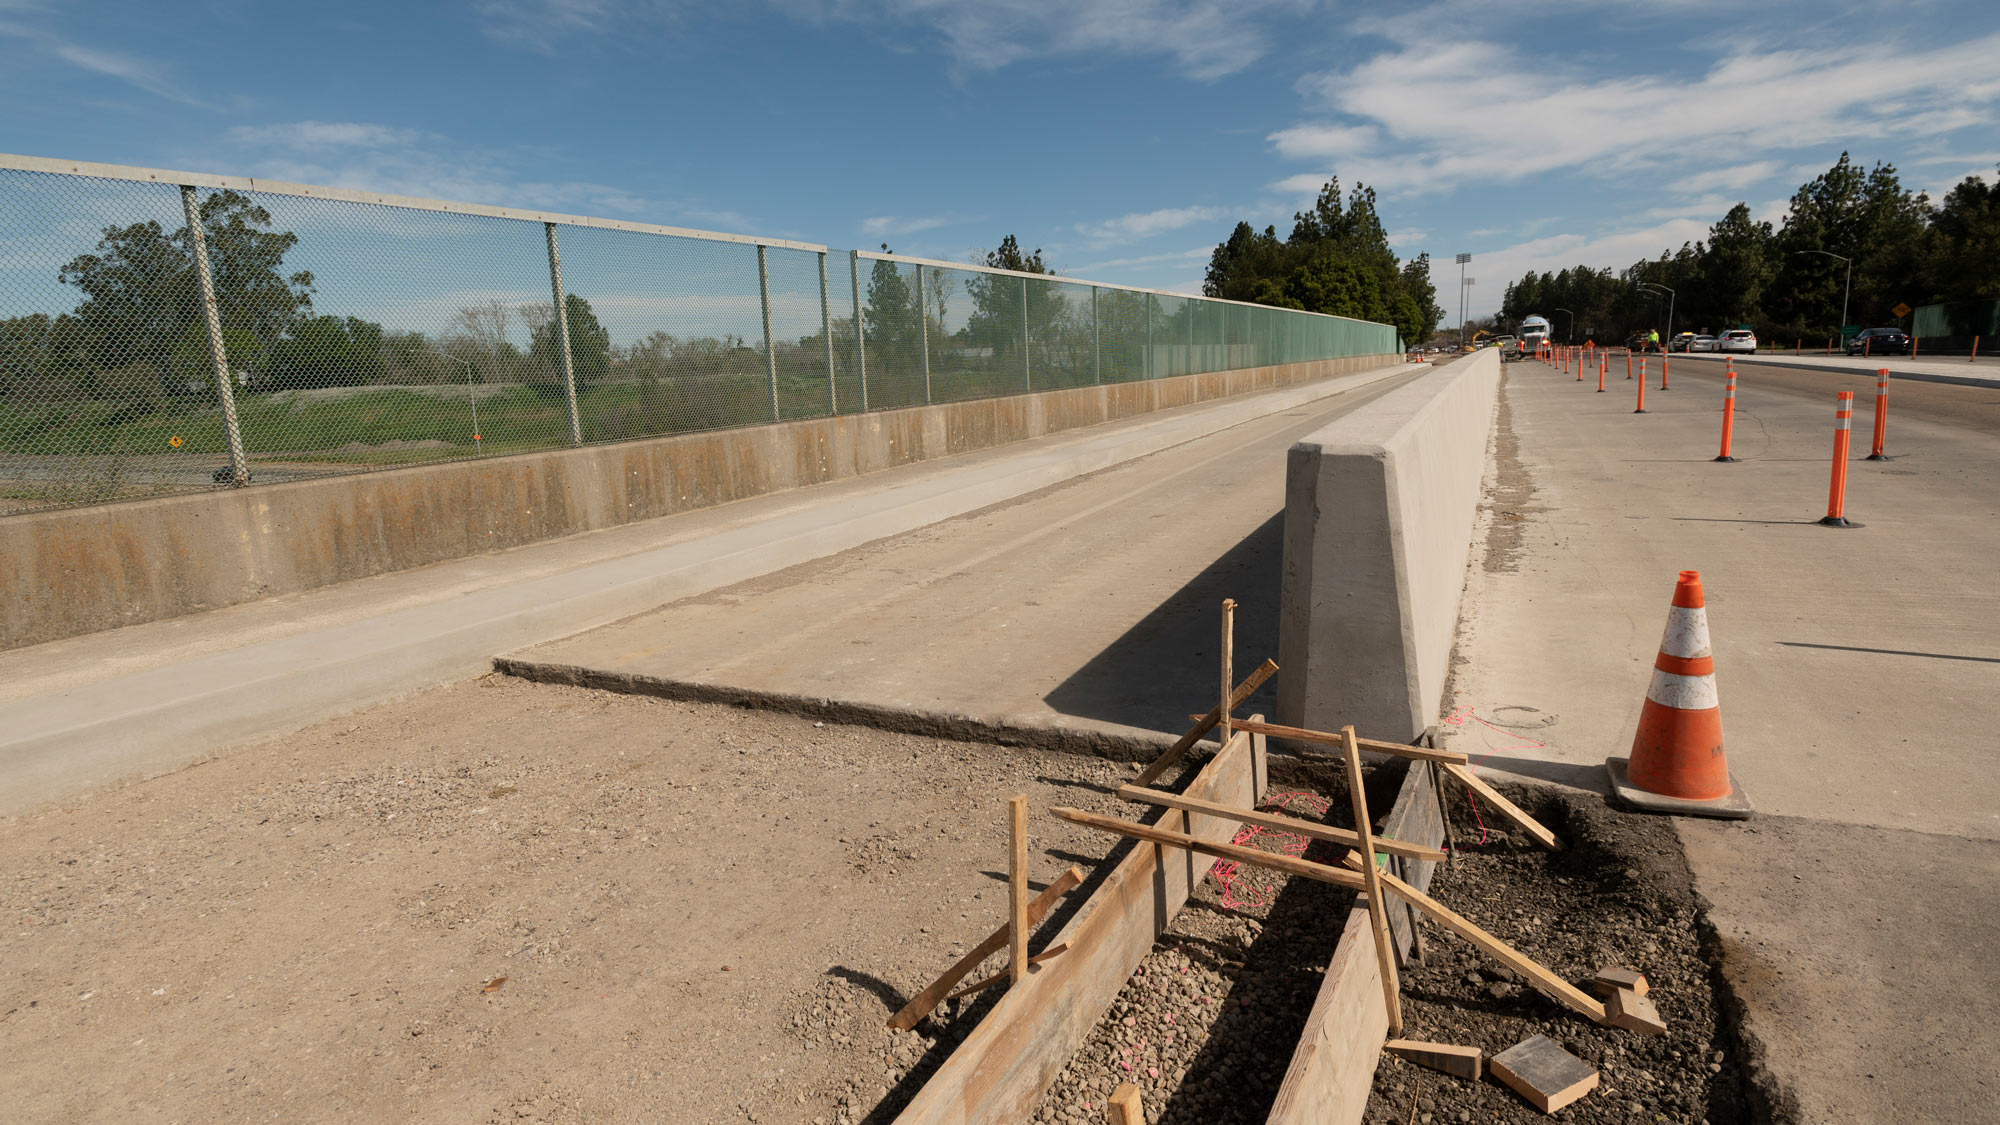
{"x": 1859, "y": 673}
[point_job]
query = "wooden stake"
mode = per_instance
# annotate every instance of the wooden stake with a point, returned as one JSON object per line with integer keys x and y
{"x": 1260, "y": 764}
{"x": 996, "y": 978}
{"x": 1290, "y": 865}
{"x": 1273, "y": 820}
{"x": 1507, "y": 808}
{"x": 1205, "y": 724}
{"x": 1378, "y": 916}
{"x": 1125, "y": 1108}
{"x": 1301, "y": 734}
{"x": 1444, "y": 814}
{"x": 1557, "y": 988}
{"x": 1225, "y": 704}
{"x": 1548, "y": 982}
{"x": 921, "y": 1005}
{"x": 1017, "y": 888}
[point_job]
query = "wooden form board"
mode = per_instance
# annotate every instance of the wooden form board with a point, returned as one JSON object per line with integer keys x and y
{"x": 1334, "y": 1064}
{"x": 1002, "y": 1069}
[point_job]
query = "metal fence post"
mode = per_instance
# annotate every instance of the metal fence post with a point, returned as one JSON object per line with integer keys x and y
{"x": 562, "y": 335}
{"x": 1096, "y": 341}
{"x": 770, "y": 352}
{"x": 924, "y": 332}
{"x": 860, "y": 331}
{"x": 239, "y": 465}
{"x": 826, "y": 331}
{"x": 1146, "y": 369}
{"x": 1027, "y": 375}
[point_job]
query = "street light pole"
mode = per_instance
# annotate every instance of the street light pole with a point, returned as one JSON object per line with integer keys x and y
{"x": 1845, "y": 293}
{"x": 1570, "y": 336}
{"x": 1462, "y": 259}
{"x": 1671, "y": 298}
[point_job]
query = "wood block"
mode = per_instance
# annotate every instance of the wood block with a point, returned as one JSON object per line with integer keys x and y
{"x": 1545, "y": 1074}
{"x": 1613, "y": 977}
{"x": 1464, "y": 1062}
{"x": 1125, "y": 1108}
{"x": 1633, "y": 1012}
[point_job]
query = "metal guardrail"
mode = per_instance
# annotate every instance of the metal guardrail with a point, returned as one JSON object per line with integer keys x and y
{"x": 165, "y": 332}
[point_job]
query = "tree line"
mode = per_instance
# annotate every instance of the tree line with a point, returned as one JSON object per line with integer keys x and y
{"x": 1336, "y": 260}
{"x": 1784, "y": 282}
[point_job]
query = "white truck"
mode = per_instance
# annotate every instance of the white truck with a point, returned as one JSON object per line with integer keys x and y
{"x": 1529, "y": 341}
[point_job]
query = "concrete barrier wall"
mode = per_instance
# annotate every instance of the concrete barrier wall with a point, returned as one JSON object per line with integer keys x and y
{"x": 72, "y": 572}
{"x": 1379, "y": 512}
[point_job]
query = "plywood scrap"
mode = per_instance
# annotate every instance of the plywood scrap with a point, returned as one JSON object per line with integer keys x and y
{"x": 1633, "y": 1012}
{"x": 1613, "y": 977}
{"x": 1461, "y": 1062}
{"x": 1545, "y": 1074}
{"x": 1508, "y": 809}
{"x": 921, "y": 1005}
{"x": 1205, "y": 724}
{"x": 1125, "y": 1107}
{"x": 1281, "y": 823}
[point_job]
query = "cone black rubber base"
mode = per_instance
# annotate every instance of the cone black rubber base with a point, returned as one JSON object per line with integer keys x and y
{"x": 1642, "y": 411}
{"x": 1837, "y": 521}
{"x": 1729, "y": 459}
{"x": 1878, "y": 457}
{"x": 1736, "y": 806}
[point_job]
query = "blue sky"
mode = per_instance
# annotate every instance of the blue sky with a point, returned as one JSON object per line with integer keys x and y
{"x": 1122, "y": 137}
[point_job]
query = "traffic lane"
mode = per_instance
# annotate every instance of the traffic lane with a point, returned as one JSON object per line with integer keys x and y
{"x": 1973, "y": 408}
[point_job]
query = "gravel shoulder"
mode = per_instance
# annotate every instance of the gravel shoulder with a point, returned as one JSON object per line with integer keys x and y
{"x": 502, "y": 901}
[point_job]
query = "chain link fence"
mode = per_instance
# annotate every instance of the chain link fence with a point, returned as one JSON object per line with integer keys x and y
{"x": 164, "y": 333}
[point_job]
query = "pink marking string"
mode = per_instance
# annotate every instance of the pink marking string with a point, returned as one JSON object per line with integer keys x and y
{"x": 1467, "y": 712}
{"x": 1226, "y": 872}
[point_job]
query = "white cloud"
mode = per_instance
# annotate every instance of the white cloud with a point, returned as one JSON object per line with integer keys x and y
{"x": 882, "y": 225}
{"x": 1145, "y": 224}
{"x": 323, "y": 134}
{"x": 1177, "y": 257}
{"x": 1733, "y": 178}
{"x": 1406, "y": 238}
{"x": 1423, "y": 98}
{"x": 1497, "y": 269}
{"x": 131, "y": 69}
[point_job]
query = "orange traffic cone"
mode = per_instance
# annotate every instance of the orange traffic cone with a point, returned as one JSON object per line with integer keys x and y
{"x": 1677, "y": 763}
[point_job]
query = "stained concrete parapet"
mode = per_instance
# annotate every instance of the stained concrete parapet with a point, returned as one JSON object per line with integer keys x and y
{"x": 1379, "y": 514}
{"x": 67, "y": 573}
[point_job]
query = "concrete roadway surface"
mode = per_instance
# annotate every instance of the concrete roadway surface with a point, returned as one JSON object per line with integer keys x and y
{"x": 1087, "y": 612}
{"x": 1859, "y": 672}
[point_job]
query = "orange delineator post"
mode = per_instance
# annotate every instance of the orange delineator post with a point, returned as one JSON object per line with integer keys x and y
{"x": 1975, "y": 351}
{"x": 1728, "y": 409}
{"x": 1578, "y": 360}
{"x": 1914, "y": 341}
{"x": 1642, "y": 386}
{"x": 1836, "y": 490}
{"x": 1628, "y": 365}
{"x": 1603, "y": 365}
{"x": 1663, "y": 371}
{"x": 1881, "y": 414}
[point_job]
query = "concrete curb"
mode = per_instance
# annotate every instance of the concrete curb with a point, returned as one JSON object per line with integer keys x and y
{"x": 63, "y": 742}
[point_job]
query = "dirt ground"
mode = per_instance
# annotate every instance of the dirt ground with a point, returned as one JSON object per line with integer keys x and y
{"x": 500, "y": 901}
{"x": 1619, "y": 894}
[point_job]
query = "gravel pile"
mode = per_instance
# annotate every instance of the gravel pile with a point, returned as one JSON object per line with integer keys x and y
{"x": 1207, "y": 1024}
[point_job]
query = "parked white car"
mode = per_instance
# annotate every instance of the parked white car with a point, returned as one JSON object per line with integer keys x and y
{"x": 1737, "y": 340}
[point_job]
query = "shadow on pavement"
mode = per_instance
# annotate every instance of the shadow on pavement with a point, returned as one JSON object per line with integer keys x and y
{"x": 1165, "y": 667}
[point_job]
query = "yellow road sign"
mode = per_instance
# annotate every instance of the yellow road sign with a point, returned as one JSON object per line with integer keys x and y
{"x": 1901, "y": 310}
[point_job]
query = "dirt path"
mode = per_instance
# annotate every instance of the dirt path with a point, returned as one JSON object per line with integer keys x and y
{"x": 701, "y": 914}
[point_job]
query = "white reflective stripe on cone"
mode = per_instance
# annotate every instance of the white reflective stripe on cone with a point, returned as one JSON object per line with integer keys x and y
{"x": 1843, "y": 423}
{"x": 1687, "y": 632}
{"x": 1685, "y": 693}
